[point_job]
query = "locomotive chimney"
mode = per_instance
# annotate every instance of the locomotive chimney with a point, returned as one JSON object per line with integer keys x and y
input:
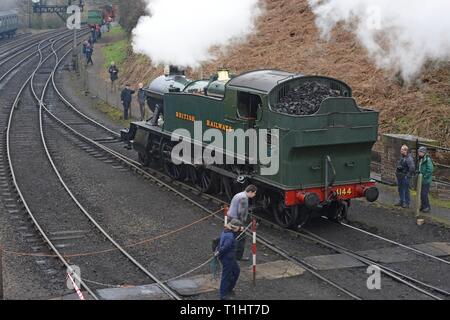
{"x": 167, "y": 70}
{"x": 171, "y": 70}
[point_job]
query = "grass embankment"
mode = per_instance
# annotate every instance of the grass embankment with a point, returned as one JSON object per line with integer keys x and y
{"x": 116, "y": 115}
{"x": 117, "y": 50}
{"x": 116, "y": 31}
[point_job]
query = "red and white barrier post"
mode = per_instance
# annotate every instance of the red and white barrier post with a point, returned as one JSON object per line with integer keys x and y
{"x": 1, "y": 271}
{"x": 254, "y": 250}
{"x": 80, "y": 294}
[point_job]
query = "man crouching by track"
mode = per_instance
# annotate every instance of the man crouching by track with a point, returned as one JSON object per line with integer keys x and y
{"x": 227, "y": 256}
{"x": 239, "y": 210}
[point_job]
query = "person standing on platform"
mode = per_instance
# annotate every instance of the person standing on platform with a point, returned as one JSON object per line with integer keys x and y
{"x": 426, "y": 168}
{"x": 405, "y": 171}
{"x": 239, "y": 210}
{"x": 226, "y": 253}
{"x": 113, "y": 75}
{"x": 126, "y": 97}
{"x": 142, "y": 99}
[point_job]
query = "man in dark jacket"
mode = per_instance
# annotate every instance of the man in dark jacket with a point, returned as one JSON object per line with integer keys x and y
{"x": 142, "y": 99}
{"x": 85, "y": 45}
{"x": 98, "y": 31}
{"x": 159, "y": 110}
{"x": 113, "y": 75}
{"x": 405, "y": 171}
{"x": 227, "y": 256}
{"x": 93, "y": 34}
{"x": 126, "y": 100}
{"x": 89, "y": 52}
{"x": 426, "y": 168}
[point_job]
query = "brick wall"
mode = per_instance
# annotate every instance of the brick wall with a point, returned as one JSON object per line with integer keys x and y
{"x": 390, "y": 154}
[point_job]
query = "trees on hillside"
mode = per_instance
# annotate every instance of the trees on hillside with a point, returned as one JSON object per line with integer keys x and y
{"x": 130, "y": 12}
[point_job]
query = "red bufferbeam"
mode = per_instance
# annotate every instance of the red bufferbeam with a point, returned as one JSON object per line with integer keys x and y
{"x": 314, "y": 196}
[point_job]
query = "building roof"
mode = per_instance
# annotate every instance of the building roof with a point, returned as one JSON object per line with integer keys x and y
{"x": 7, "y": 13}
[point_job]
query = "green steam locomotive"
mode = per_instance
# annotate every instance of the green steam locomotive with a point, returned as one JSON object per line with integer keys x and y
{"x": 317, "y": 138}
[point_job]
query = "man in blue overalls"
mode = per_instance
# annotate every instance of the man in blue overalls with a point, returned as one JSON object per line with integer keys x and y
{"x": 227, "y": 255}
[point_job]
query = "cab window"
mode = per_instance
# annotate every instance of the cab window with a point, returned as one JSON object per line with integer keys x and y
{"x": 248, "y": 105}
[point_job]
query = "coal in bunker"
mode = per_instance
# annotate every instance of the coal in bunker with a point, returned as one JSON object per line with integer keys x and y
{"x": 305, "y": 99}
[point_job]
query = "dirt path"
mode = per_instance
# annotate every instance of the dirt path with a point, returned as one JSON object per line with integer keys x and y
{"x": 96, "y": 77}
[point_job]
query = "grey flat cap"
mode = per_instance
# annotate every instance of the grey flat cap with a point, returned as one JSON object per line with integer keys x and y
{"x": 423, "y": 149}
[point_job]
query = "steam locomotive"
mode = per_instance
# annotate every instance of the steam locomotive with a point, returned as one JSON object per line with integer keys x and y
{"x": 324, "y": 150}
{"x": 104, "y": 14}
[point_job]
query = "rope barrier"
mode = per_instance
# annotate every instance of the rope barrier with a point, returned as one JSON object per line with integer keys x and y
{"x": 210, "y": 259}
{"x": 174, "y": 278}
{"x": 93, "y": 253}
{"x": 10, "y": 252}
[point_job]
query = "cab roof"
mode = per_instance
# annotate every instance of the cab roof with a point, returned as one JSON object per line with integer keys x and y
{"x": 261, "y": 80}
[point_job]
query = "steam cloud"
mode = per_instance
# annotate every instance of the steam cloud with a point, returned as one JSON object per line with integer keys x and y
{"x": 181, "y": 32}
{"x": 401, "y": 35}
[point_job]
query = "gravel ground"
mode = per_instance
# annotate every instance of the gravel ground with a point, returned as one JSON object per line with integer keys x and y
{"x": 133, "y": 209}
{"x": 54, "y": 209}
{"x": 395, "y": 224}
{"x": 55, "y": 214}
{"x": 353, "y": 279}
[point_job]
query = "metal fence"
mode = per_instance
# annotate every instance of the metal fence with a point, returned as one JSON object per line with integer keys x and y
{"x": 98, "y": 87}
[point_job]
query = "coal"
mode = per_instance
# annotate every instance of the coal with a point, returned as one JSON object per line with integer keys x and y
{"x": 305, "y": 99}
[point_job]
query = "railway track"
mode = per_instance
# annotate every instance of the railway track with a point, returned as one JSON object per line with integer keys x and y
{"x": 20, "y": 37}
{"x": 204, "y": 202}
{"x": 418, "y": 285}
{"x": 23, "y": 132}
{"x": 14, "y": 208}
{"x": 10, "y": 64}
{"x": 12, "y": 50}
{"x": 41, "y": 102}
{"x": 15, "y": 169}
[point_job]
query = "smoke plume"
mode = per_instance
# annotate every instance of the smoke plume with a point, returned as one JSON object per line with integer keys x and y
{"x": 182, "y": 32}
{"x": 401, "y": 35}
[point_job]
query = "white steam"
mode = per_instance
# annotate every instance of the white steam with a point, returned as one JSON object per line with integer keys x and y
{"x": 182, "y": 32}
{"x": 401, "y": 35}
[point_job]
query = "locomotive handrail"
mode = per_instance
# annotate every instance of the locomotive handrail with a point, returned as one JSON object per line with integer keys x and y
{"x": 288, "y": 77}
{"x": 334, "y": 171}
